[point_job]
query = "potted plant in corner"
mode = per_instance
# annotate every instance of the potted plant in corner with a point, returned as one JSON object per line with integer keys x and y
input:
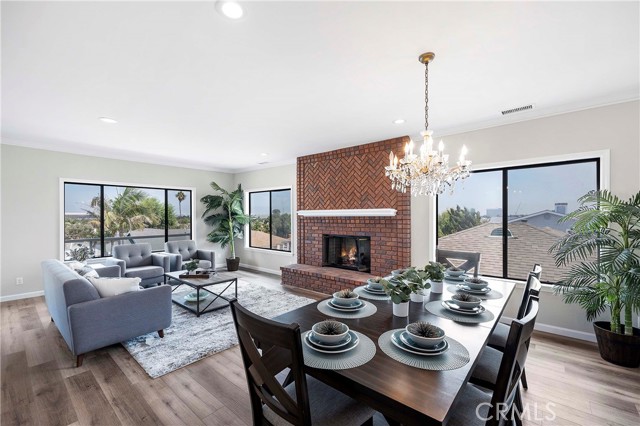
{"x": 436, "y": 275}
{"x": 602, "y": 251}
{"x": 228, "y": 223}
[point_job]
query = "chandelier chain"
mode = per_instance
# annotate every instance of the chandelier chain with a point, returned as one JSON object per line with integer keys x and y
{"x": 426, "y": 96}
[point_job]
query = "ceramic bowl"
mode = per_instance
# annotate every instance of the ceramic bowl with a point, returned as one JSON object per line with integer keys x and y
{"x": 475, "y": 286}
{"x": 330, "y": 338}
{"x": 455, "y": 273}
{"x": 344, "y": 301}
{"x": 425, "y": 342}
{"x": 374, "y": 285}
{"x": 473, "y": 301}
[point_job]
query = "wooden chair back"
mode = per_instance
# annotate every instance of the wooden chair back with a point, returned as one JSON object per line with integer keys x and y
{"x": 532, "y": 287}
{"x": 471, "y": 259}
{"x": 537, "y": 270}
{"x": 268, "y": 348}
{"x": 512, "y": 365}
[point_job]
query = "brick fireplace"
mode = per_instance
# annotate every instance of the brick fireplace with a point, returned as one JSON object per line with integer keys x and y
{"x": 349, "y": 178}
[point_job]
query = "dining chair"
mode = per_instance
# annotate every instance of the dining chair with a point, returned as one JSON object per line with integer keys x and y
{"x": 498, "y": 337}
{"x": 486, "y": 370}
{"x": 268, "y": 349}
{"x": 502, "y": 403}
{"x": 471, "y": 259}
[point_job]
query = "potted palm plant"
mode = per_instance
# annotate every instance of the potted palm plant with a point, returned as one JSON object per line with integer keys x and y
{"x": 602, "y": 251}
{"x": 225, "y": 213}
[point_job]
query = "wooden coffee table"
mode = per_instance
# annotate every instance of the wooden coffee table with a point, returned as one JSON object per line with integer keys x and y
{"x": 207, "y": 299}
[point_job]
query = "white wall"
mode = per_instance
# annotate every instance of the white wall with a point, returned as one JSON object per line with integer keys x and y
{"x": 30, "y": 197}
{"x": 271, "y": 178}
{"x": 615, "y": 128}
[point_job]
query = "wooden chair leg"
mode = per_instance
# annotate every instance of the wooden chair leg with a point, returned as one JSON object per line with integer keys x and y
{"x": 161, "y": 333}
{"x": 79, "y": 360}
{"x": 523, "y": 378}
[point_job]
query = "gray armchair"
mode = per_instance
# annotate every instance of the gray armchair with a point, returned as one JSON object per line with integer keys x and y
{"x": 187, "y": 251}
{"x": 140, "y": 262}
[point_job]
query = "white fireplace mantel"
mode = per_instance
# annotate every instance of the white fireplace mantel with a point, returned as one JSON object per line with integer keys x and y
{"x": 347, "y": 212}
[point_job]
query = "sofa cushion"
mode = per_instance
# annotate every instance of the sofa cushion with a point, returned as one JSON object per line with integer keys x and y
{"x": 186, "y": 248}
{"x": 108, "y": 287}
{"x": 145, "y": 272}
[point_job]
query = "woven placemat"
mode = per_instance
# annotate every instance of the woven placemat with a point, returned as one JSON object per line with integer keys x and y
{"x": 366, "y": 295}
{"x": 436, "y": 308}
{"x": 455, "y": 357}
{"x": 356, "y": 357}
{"x": 492, "y": 295}
{"x": 368, "y": 310}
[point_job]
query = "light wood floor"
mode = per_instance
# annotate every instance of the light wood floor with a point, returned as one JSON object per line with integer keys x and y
{"x": 40, "y": 386}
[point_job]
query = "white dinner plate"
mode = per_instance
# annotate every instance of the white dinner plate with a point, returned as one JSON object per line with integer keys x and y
{"x": 345, "y": 308}
{"x": 352, "y": 344}
{"x": 406, "y": 340}
{"x": 466, "y": 289}
{"x": 314, "y": 340}
{"x": 395, "y": 339}
{"x": 451, "y": 305}
{"x": 370, "y": 289}
{"x": 454, "y": 278}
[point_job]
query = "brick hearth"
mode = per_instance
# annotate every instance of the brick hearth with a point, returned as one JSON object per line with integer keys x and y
{"x": 349, "y": 178}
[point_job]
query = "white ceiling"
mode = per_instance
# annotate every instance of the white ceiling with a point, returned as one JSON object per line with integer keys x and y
{"x": 190, "y": 87}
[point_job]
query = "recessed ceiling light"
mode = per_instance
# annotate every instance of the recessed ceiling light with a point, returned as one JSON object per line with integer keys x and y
{"x": 264, "y": 154}
{"x": 399, "y": 121}
{"x": 108, "y": 120}
{"x": 230, "y": 9}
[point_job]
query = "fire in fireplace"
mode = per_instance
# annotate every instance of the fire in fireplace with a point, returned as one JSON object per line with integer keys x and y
{"x": 347, "y": 252}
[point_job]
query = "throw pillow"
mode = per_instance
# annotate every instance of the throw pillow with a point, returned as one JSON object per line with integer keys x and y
{"x": 108, "y": 287}
{"x": 83, "y": 270}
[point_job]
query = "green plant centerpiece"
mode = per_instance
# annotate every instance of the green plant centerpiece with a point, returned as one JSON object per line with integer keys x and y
{"x": 191, "y": 266}
{"x": 435, "y": 271}
{"x": 400, "y": 287}
{"x": 602, "y": 251}
{"x": 225, "y": 213}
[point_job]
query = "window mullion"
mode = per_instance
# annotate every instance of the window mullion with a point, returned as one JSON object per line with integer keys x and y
{"x": 505, "y": 222}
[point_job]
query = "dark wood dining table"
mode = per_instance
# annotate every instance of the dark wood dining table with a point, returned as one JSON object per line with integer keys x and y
{"x": 405, "y": 394}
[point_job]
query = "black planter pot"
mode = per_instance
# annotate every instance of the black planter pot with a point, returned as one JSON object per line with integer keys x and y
{"x": 616, "y": 348}
{"x": 233, "y": 264}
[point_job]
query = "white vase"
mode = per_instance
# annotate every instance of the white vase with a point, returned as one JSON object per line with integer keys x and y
{"x": 436, "y": 286}
{"x": 417, "y": 297}
{"x": 401, "y": 309}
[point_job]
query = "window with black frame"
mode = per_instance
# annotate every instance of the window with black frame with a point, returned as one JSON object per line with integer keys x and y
{"x": 271, "y": 221}
{"x": 512, "y": 215}
{"x": 100, "y": 216}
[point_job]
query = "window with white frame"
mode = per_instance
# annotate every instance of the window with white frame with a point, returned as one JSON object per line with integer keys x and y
{"x": 512, "y": 215}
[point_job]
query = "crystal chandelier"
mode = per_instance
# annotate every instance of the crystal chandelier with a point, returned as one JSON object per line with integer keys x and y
{"x": 428, "y": 171}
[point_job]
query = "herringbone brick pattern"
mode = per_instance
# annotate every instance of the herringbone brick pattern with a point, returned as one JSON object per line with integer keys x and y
{"x": 351, "y": 178}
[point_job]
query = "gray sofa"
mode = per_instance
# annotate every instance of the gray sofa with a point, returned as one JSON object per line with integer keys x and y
{"x": 88, "y": 322}
{"x": 186, "y": 251}
{"x": 140, "y": 262}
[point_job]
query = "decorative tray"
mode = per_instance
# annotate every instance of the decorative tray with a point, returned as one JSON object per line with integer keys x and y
{"x": 203, "y": 274}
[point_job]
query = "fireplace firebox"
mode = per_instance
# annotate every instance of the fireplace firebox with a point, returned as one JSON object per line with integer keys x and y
{"x": 347, "y": 252}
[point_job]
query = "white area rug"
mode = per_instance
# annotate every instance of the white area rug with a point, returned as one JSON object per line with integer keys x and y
{"x": 190, "y": 338}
